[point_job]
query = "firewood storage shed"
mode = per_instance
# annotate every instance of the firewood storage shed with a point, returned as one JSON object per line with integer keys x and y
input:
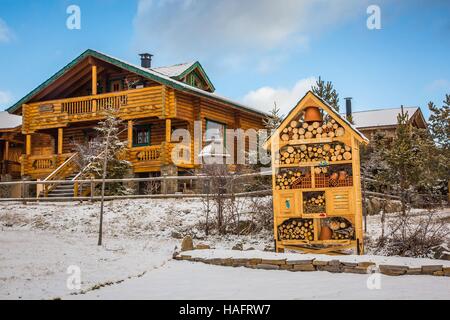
{"x": 316, "y": 180}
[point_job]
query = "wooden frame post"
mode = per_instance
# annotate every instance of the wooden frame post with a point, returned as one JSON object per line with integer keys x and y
{"x": 168, "y": 131}
{"x": 60, "y": 141}
{"x": 28, "y": 144}
{"x": 94, "y": 87}
{"x": 6, "y": 151}
{"x": 166, "y": 158}
{"x": 130, "y": 134}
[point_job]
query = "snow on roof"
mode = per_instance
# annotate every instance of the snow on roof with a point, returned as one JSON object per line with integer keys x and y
{"x": 380, "y": 117}
{"x": 185, "y": 85}
{"x": 175, "y": 70}
{"x": 9, "y": 121}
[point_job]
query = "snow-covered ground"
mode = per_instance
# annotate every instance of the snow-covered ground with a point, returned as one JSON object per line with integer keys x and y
{"x": 38, "y": 242}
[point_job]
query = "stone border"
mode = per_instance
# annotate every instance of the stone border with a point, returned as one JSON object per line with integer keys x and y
{"x": 334, "y": 266}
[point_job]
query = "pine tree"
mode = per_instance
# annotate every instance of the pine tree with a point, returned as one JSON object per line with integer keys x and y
{"x": 408, "y": 160}
{"x": 326, "y": 91}
{"x": 274, "y": 119}
{"x": 107, "y": 143}
{"x": 439, "y": 123}
{"x": 107, "y": 163}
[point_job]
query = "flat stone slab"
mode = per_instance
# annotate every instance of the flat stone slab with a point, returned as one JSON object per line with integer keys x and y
{"x": 366, "y": 264}
{"x": 358, "y": 270}
{"x": 431, "y": 269}
{"x": 266, "y": 266}
{"x": 309, "y": 261}
{"x": 414, "y": 271}
{"x": 320, "y": 263}
{"x": 274, "y": 262}
{"x": 391, "y": 270}
{"x": 304, "y": 267}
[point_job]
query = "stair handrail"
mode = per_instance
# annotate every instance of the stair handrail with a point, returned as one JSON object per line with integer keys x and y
{"x": 85, "y": 168}
{"x": 51, "y": 175}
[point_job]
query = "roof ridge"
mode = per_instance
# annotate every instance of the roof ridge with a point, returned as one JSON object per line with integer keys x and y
{"x": 384, "y": 109}
{"x": 175, "y": 65}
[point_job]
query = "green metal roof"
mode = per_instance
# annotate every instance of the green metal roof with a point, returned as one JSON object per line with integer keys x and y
{"x": 146, "y": 73}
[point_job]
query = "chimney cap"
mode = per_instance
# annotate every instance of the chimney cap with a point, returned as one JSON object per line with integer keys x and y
{"x": 146, "y": 60}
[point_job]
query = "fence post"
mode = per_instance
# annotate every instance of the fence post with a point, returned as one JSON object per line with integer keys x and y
{"x": 23, "y": 191}
{"x": 92, "y": 189}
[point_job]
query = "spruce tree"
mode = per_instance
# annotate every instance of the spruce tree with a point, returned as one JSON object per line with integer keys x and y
{"x": 107, "y": 145}
{"x": 326, "y": 91}
{"x": 274, "y": 119}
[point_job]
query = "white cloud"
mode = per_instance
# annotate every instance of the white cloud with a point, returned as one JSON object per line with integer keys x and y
{"x": 211, "y": 30}
{"x": 438, "y": 85}
{"x": 285, "y": 98}
{"x": 5, "y": 98}
{"x": 5, "y": 33}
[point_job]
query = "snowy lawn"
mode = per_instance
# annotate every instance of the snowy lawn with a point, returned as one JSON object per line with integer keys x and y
{"x": 189, "y": 280}
{"x": 38, "y": 242}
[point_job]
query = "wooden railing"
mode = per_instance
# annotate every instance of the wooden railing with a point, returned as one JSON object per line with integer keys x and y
{"x": 151, "y": 153}
{"x": 83, "y": 105}
{"x": 146, "y": 102}
{"x": 60, "y": 173}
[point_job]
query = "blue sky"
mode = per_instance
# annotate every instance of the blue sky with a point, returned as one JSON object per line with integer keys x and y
{"x": 255, "y": 51}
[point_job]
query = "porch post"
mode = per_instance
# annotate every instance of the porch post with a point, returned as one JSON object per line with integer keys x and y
{"x": 94, "y": 79}
{"x": 60, "y": 141}
{"x": 6, "y": 151}
{"x": 28, "y": 145}
{"x": 94, "y": 87}
{"x": 168, "y": 131}
{"x": 130, "y": 134}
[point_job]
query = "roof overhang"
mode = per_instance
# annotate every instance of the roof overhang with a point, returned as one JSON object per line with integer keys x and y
{"x": 146, "y": 73}
{"x": 309, "y": 99}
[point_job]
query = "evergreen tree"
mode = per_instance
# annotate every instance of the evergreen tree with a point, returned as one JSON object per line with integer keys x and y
{"x": 274, "y": 119}
{"x": 439, "y": 123}
{"x": 408, "y": 160}
{"x": 326, "y": 91}
{"x": 107, "y": 145}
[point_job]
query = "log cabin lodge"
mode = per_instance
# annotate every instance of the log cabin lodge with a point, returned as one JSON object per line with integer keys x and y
{"x": 152, "y": 102}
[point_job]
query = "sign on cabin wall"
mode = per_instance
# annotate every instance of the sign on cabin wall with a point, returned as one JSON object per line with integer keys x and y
{"x": 46, "y": 108}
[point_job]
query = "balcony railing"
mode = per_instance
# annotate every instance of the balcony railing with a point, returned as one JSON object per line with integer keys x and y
{"x": 131, "y": 103}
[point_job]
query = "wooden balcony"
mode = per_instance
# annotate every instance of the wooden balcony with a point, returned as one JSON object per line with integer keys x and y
{"x": 142, "y": 159}
{"x": 40, "y": 166}
{"x": 132, "y": 104}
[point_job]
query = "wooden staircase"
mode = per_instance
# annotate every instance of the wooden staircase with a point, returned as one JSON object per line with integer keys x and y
{"x": 68, "y": 171}
{"x": 65, "y": 171}
{"x": 63, "y": 190}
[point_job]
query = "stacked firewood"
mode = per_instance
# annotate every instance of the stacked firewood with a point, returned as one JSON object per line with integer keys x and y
{"x": 320, "y": 152}
{"x": 285, "y": 180}
{"x": 314, "y": 204}
{"x": 342, "y": 229}
{"x": 299, "y": 130}
{"x": 296, "y": 229}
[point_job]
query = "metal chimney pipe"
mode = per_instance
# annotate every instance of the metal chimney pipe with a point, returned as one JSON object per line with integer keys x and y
{"x": 146, "y": 60}
{"x": 348, "y": 107}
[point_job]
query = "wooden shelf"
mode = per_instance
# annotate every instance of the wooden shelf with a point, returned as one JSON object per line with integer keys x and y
{"x": 312, "y": 164}
{"x": 300, "y": 242}
{"x": 307, "y": 141}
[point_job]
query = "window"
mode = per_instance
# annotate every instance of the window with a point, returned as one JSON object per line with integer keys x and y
{"x": 215, "y": 131}
{"x": 116, "y": 85}
{"x": 141, "y": 136}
